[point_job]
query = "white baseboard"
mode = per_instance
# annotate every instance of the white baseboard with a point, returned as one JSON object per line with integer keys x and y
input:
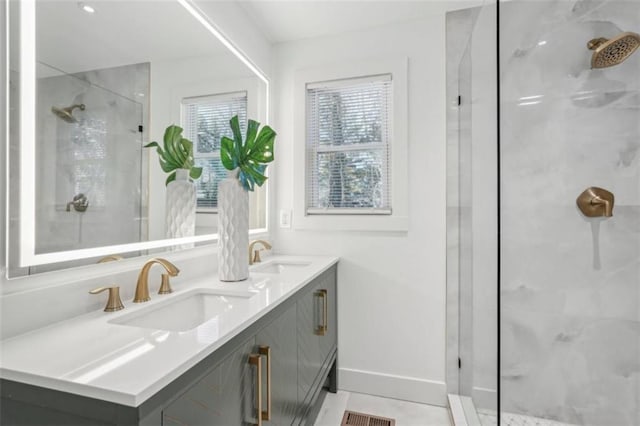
{"x": 485, "y": 398}
{"x": 391, "y": 386}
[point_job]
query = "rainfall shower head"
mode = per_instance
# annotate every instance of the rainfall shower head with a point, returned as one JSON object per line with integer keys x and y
{"x": 67, "y": 113}
{"x": 610, "y": 52}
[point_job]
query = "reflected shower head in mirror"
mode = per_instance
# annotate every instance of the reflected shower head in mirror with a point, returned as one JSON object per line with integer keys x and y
{"x": 614, "y": 51}
{"x": 67, "y": 113}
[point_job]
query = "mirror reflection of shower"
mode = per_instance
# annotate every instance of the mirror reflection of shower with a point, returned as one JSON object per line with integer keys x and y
{"x": 66, "y": 114}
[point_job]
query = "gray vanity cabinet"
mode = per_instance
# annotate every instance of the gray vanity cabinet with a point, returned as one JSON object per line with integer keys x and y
{"x": 281, "y": 339}
{"x": 225, "y": 396}
{"x": 317, "y": 334}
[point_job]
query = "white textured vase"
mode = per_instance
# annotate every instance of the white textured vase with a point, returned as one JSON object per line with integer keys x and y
{"x": 233, "y": 229}
{"x": 180, "y": 206}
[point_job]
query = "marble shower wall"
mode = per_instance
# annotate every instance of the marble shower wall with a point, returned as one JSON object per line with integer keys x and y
{"x": 100, "y": 155}
{"x": 570, "y": 286}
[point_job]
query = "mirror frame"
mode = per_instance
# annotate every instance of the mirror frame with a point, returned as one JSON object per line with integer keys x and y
{"x": 27, "y": 198}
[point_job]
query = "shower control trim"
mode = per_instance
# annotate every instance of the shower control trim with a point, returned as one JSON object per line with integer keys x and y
{"x": 596, "y": 202}
{"x": 80, "y": 203}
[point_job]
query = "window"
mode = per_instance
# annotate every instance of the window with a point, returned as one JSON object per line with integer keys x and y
{"x": 205, "y": 120}
{"x": 348, "y": 146}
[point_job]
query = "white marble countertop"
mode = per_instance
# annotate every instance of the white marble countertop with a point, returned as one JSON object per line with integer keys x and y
{"x": 91, "y": 356}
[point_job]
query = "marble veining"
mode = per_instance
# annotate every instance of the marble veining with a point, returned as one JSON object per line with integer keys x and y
{"x": 570, "y": 311}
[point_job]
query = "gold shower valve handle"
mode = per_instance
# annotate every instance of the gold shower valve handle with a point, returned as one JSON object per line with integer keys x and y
{"x": 114, "y": 303}
{"x": 596, "y": 202}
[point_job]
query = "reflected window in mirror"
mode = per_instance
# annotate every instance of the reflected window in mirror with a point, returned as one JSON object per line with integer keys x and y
{"x": 205, "y": 121}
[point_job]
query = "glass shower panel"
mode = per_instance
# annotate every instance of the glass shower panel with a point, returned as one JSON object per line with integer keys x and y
{"x": 472, "y": 208}
{"x": 570, "y": 284}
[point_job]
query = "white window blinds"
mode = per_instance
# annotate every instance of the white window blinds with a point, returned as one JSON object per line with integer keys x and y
{"x": 205, "y": 120}
{"x": 348, "y": 151}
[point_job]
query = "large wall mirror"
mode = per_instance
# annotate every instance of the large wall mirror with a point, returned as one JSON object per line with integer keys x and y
{"x": 92, "y": 82}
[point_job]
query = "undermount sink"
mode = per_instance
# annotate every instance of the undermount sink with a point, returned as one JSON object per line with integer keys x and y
{"x": 186, "y": 311}
{"x": 278, "y": 267}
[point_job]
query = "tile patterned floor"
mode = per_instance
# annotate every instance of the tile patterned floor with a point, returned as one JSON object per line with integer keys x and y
{"x": 488, "y": 418}
{"x": 405, "y": 413}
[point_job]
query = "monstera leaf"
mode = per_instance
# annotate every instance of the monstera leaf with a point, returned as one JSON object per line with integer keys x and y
{"x": 249, "y": 156}
{"x": 177, "y": 154}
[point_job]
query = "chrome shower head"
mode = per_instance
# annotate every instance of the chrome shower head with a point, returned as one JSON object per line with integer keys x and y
{"x": 66, "y": 114}
{"x": 610, "y": 52}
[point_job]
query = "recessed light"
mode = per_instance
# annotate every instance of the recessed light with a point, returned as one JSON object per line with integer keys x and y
{"x": 86, "y": 7}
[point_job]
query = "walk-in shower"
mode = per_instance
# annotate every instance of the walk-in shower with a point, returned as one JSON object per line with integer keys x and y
{"x": 543, "y": 213}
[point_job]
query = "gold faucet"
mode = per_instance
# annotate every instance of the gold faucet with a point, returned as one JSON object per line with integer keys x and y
{"x": 254, "y": 255}
{"x": 142, "y": 287}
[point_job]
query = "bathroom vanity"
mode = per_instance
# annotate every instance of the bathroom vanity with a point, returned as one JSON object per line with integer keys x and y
{"x": 261, "y": 351}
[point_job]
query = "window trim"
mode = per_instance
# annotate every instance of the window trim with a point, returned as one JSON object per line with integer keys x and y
{"x": 356, "y": 220}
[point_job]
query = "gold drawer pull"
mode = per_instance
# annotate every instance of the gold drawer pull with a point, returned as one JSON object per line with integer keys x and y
{"x": 266, "y": 351}
{"x": 254, "y": 359}
{"x": 322, "y": 329}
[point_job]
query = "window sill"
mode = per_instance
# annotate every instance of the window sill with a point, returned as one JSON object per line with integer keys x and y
{"x": 351, "y": 222}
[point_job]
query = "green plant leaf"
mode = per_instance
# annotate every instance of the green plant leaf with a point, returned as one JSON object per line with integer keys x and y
{"x": 170, "y": 178}
{"x": 166, "y": 166}
{"x": 162, "y": 157}
{"x": 177, "y": 153}
{"x": 227, "y": 157}
{"x": 237, "y": 139}
{"x": 263, "y": 147}
{"x": 254, "y": 174}
{"x": 187, "y": 148}
{"x": 169, "y": 147}
{"x": 251, "y": 155}
{"x": 252, "y": 131}
{"x": 195, "y": 172}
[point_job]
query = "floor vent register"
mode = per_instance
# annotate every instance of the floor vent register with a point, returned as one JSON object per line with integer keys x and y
{"x": 352, "y": 418}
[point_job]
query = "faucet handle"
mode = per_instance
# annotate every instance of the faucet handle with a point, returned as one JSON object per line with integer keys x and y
{"x": 110, "y": 258}
{"x": 114, "y": 303}
{"x": 165, "y": 286}
{"x": 256, "y": 255}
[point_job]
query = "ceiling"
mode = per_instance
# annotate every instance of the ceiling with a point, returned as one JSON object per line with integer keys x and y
{"x": 118, "y": 33}
{"x": 282, "y": 21}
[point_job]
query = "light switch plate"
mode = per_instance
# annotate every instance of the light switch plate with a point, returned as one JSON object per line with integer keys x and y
{"x": 285, "y": 218}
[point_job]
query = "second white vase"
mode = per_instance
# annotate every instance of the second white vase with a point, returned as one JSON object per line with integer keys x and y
{"x": 180, "y": 206}
{"x": 233, "y": 229}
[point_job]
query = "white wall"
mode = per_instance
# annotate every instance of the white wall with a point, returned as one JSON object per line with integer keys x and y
{"x": 233, "y": 22}
{"x": 391, "y": 284}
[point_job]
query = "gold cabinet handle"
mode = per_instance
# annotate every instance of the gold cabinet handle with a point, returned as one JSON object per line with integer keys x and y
{"x": 322, "y": 329}
{"x": 113, "y": 303}
{"x": 255, "y": 360}
{"x": 266, "y": 351}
